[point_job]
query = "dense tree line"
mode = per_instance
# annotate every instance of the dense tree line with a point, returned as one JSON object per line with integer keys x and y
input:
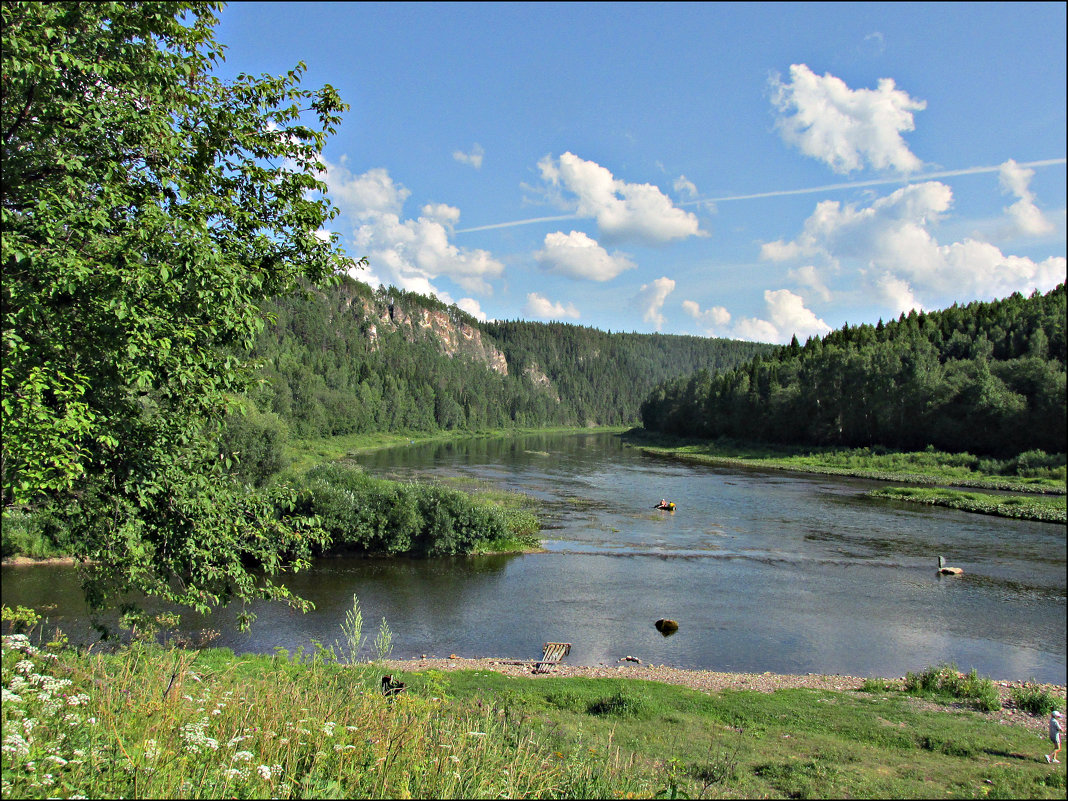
{"x": 988, "y": 378}
{"x": 601, "y": 378}
{"x": 341, "y": 360}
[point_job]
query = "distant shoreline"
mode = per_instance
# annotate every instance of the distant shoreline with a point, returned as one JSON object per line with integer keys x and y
{"x": 24, "y": 561}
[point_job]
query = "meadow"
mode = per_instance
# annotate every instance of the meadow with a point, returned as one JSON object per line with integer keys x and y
{"x": 183, "y": 720}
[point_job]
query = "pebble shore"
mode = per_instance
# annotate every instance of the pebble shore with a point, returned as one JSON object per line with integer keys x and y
{"x": 712, "y": 681}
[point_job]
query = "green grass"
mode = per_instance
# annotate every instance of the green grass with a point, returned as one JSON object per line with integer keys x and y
{"x": 152, "y": 721}
{"x": 1024, "y": 507}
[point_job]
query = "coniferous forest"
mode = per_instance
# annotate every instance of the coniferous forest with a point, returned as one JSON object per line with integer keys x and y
{"x": 350, "y": 359}
{"x": 988, "y": 378}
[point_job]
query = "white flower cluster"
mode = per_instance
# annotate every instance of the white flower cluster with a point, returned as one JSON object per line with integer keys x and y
{"x": 195, "y": 739}
{"x": 15, "y": 745}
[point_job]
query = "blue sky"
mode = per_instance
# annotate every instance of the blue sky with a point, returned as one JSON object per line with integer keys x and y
{"x": 749, "y": 171}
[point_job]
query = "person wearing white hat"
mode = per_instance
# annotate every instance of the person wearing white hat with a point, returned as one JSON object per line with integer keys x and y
{"x": 1056, "y": 726}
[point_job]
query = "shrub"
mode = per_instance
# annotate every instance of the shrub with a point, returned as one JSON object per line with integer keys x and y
{"x": 1032, "y": 698}
{"x": 945, "y": 679}
{"x": 383, "y": 516}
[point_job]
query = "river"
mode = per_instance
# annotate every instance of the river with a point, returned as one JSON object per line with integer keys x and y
{"x": 763, "y": 570}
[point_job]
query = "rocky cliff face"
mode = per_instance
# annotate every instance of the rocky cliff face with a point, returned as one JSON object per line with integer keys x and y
{"x": 454, "y": 335}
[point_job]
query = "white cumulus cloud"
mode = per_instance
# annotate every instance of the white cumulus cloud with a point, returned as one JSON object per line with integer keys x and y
{"x": 472, "y": 307}
{"x": 577, "y": 256}
{"x": 650, "y": 300}
{"x": 846, "y": 128}
{"x": 891, "y": 246}
{"x": 409, "y": 253}
{"x": 786, "y": 314}
{"x": 1024, "y": 213}
{"x": 370, "y": 193}
{"x": 541, "y": 307}
{"x": 473, "y": 157}
{"x": 713, "y": 321}
{"x": 623, "y": 211}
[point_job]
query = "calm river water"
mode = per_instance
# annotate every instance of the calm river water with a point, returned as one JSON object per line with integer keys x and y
{"x": 764, "y": 571}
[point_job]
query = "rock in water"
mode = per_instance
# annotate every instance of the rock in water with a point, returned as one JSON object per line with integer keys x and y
{"x": 666, "y": 627}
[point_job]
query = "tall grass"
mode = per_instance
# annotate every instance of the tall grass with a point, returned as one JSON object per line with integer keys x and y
{"x": 154, "y": 722}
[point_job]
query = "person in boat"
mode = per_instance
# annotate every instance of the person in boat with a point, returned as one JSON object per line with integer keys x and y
{"x": 664, "y": 504}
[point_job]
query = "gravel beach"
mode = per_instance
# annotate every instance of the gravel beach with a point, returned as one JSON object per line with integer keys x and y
{"x": 711, "y": 681}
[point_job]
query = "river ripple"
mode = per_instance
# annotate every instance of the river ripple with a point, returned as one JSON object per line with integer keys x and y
{"x": 763, "y": 570}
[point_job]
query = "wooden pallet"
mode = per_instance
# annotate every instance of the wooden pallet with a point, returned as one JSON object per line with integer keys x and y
{"x": 553, "y": 654}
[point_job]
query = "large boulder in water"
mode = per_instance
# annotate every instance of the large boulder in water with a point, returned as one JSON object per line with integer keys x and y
{"x": 666, "y": 627}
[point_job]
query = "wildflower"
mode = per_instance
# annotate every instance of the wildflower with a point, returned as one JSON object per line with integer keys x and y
{"x": 57, "y": 759}
{"x": 243, "y": 756}
{"x": 195, "y": 739}
{"x": 265, "y": 772}
{"x": 10, "y": 697}
{"x": 328, "y": 728}
{"x": 24, "y": 666}
{"x": 15, "y": 745}
{"x": 151, "y": 749}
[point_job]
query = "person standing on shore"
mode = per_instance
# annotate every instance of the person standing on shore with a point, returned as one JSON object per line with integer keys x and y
{"x": 1056, "y": 729}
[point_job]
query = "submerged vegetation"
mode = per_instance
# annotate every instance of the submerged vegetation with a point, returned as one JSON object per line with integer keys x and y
{"x": 151, "y": 721}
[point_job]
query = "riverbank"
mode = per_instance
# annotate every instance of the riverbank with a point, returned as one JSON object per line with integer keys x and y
{"x": 710, "y": 681}
{"x": 924, "y": 468}
{"x": 1039, "y": 508}
{"x": 149, "y": 721}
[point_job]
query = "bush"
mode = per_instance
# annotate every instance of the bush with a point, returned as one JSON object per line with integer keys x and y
{"x": 945, "y": 679}
{"x": 37, "y": 534}
{"x": 1032, "y": 698}
{"x": 382, "y": 516}
{"x": 253, "y": 442}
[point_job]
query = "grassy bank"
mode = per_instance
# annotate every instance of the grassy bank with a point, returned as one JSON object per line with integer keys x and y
{"x": 150, "y": 721}
{"x": 1023, "y": 507}
{"x": 919, "y": 468}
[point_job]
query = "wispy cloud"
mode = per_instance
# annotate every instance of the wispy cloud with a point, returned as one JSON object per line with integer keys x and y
{"x": 474, "y": 158}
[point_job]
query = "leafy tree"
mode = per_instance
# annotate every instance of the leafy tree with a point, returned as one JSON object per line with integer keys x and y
{"x": 148, "y": 209}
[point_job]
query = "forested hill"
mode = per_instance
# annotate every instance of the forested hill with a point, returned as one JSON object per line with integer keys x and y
{"x": 988, "y": 378}
{"x": 350, "y": 359}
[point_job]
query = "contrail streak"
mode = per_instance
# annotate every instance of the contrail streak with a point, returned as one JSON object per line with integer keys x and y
{"x": 517, "y": 222}
{"x": 786, "y": 192}
{"x": 876, "y": 182}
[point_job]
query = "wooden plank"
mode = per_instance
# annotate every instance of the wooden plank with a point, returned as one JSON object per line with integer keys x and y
{"x": 552, "y": 654}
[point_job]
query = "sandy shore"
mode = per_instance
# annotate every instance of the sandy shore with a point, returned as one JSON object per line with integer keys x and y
{"x": 711, "y": 681}
{"x": 22, "y": 561}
